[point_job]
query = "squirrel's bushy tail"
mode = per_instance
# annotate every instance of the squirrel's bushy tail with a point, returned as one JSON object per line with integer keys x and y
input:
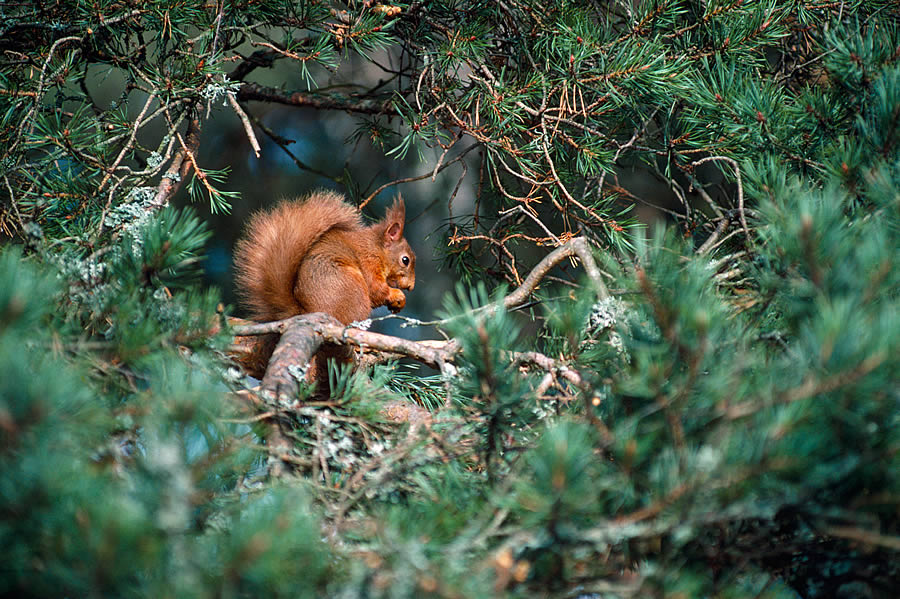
{"x": 267, "y": 259}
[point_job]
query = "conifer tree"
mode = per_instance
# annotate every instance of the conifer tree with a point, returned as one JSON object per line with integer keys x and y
{"x": 711, "y": 409}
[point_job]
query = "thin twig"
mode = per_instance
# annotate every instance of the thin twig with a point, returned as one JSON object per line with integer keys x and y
{"x": 520, "y": 208}
{"x": 248, "y": 128}
{"x": 737, "y": 172}
{"x": 457, "y": 158}
{"x": 711, "y": 240}
{"x": 128, "y": 145}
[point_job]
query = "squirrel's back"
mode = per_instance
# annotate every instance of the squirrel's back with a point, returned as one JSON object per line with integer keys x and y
{"x": 266, "y": 259}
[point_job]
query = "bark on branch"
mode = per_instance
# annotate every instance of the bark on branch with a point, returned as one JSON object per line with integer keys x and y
{"x": 259, "y": 93}
{"x": 179, "y": 167}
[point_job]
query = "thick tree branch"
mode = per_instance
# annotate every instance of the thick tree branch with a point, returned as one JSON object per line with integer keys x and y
{"x": 296, "y": 347}
{"x": 332, "y": 101}
{"x": 436, "y": 354}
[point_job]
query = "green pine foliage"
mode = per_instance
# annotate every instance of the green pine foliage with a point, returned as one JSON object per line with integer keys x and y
{"x": 733, "y": 428}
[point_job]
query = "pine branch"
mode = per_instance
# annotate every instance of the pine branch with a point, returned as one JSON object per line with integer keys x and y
{"x": 332, "y": 101}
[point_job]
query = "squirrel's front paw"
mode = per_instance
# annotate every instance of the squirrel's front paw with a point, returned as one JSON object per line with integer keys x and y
{"x": 395, "y": 300}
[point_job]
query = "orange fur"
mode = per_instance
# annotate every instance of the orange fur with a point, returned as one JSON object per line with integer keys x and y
{"x": 315, "y": 255}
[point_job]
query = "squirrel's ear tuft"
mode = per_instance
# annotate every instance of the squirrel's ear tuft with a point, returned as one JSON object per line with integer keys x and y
{"x": 397, "y": 210}
{"x": 394, "y": 218}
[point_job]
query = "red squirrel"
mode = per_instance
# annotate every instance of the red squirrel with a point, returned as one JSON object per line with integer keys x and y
{"x": 315, "y": 255}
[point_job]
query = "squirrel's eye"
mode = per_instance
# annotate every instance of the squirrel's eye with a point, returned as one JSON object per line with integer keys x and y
{"x": 405, "y": 260}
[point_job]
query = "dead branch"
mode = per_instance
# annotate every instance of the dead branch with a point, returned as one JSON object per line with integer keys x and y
{"x": 248, "y": 128}
{"x": 711, "y": 240}
{"x": 574, "y": 247}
